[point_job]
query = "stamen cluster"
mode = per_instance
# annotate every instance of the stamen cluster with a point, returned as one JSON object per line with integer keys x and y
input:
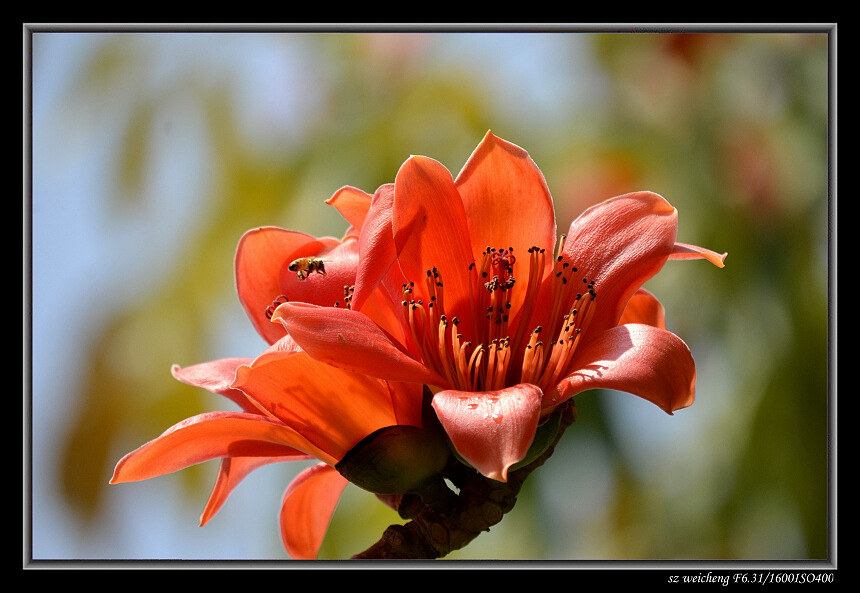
{"x": 499, "y": 353}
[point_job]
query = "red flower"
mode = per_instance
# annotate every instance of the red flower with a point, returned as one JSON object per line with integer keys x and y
{"x": 499, "y": 321}
{"x": 453, "y": 284}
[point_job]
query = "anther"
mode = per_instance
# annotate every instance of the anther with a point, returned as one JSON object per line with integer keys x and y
{"x": 279, "y": 300}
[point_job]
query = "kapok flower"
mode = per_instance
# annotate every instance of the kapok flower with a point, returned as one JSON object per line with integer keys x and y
{"x": 294, "y": 408}
{"x": 501, "y": 323}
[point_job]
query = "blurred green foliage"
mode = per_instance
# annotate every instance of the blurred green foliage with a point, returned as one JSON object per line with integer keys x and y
{"x": 731, "y": 128}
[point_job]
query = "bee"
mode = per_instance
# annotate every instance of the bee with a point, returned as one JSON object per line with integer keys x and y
{"x": 305, "y": 266}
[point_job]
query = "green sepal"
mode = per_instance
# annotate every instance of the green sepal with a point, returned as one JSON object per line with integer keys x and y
{"x": 544, "y": 437}
{"x": 395, "y": 460}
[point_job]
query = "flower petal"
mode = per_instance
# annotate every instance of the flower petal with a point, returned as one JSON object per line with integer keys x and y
{"x": 352, "y": 203}
{"x": 332, "y": 408}
{"x": 217, "y": 376}
{"x": 211, "y": 436}
{"x": 506, "y": 199}
{"x": 376, "y": 245}
{"x": 232, "y": 471}
{"x": 260, "y": 256}
{"x": 431, "y": 231}
{"x": 350, "y": 340}
{"x": 685, "y": 251}
{"x": 640, "y": 359}
{"x": 406, "y": 399}
{"x": 378, "y": 289}
{"x": 307, "y": 508}
{"x": 643, "y": 307}
{"x": 619, "y": 244}
{"x": 491, "y": 430}
{"x": 285, "y": 345}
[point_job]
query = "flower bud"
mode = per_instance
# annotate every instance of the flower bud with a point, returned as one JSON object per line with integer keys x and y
{"x": 396, "y": 460}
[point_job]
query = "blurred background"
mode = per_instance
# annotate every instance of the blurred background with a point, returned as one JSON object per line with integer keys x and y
{"x": 152, "y": 152}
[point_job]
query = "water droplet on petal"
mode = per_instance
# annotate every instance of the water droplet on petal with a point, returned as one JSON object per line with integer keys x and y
{"x": 497, "y": 413}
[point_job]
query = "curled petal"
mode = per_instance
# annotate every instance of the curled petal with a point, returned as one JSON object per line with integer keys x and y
{"x": 350, "y": 340}
{"x": 643, "y": 307}
{"x": 307, "y": 508}
{"x": 216, "y": 376}
{"x": 685, "y": 251}
{"x": 640, "y": 359}
{"x": 232, "y": 471}
{"x": 376, "y": 245}
{"x": 212, "y": 436}
{"x": 352, "y": 203}
{"x": 491, "y": 430}
{"x": 378, "y": 281}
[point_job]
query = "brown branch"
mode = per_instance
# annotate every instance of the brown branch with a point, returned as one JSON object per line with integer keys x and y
{"x": 442, "y": 521}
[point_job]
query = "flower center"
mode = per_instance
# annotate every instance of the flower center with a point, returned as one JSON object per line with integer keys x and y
{"x": 517, "y": 338}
